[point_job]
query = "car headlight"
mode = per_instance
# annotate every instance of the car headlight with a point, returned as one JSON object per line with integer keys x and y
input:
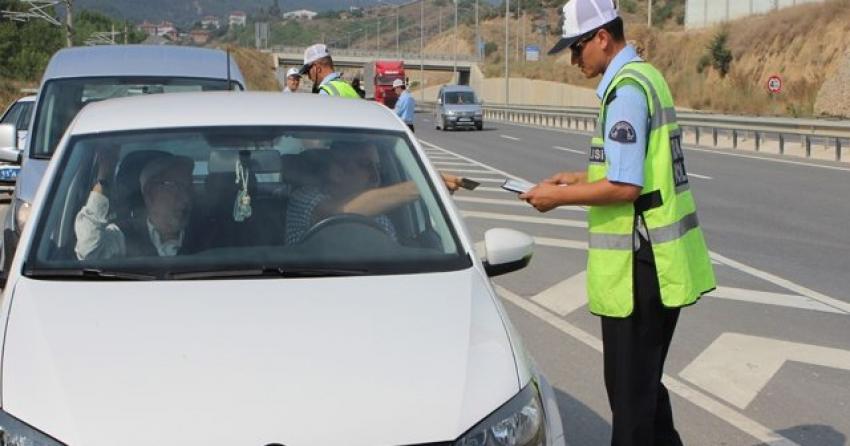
{"x": 519, "y": 422}
{"x": 478, "y": 113}
{"x": 14, "y": 432}
{"x": 22, "y": 214}
{"x": 450, "y": 112}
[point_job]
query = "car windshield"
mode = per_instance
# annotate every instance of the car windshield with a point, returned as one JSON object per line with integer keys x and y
{"x": 19, "y": 114}
{"x": 242, "y": 201}
{"x": 387, "y": 79}
{"x": 459, "y": 97}
{"x": 61, "y": 99}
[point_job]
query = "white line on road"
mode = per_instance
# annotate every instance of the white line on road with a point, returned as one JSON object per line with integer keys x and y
{"x": 491, "y": 189}
{"x": 565, "y": 297}
{"x": 560, "y": 243}
{"x": 764, "y": 297}
{"x": 450, "y": 163}
{"x": 736, "y": 367}
{"x": 764, "y": 158}
{"x": 569, "y": 150}
{"x": 455, "y": 169}
{"x": 696, "y": 175}
{"x": 509, "y": 137}
{"x": 784, "y": 283}
{"x": 524, "y": 219}
{"x": 711, "y": 405}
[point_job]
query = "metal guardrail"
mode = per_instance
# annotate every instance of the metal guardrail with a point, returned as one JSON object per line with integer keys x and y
{"x": 835, "y": 132}
{"x": 388, "y": 54}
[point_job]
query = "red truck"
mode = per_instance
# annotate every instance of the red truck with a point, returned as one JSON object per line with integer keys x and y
{"x": 379, "y": 76}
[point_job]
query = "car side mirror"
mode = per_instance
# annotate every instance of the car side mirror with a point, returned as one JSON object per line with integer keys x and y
{"x": 439, "y": 100}
{"x": 9, "y": 144}
{"x": 507, "y": 250}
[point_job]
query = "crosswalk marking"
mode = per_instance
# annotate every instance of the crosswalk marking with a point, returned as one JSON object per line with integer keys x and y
{"x": 565, "y": 297}
{"x": 450, "y": 163}
{"x": 515, "y": 202}
{"x": 509, "y": 137}
{"x": 475, "y": 171}
{"x": 763, "y": 297}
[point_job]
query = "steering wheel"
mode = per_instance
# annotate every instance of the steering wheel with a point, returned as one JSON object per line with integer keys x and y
{"x": 342, "y": 219}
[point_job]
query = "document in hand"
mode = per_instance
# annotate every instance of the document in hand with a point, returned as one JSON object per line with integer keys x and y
{"x": 517, "y": 186}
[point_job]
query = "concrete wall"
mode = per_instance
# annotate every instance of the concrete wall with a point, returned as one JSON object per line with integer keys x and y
{"x": 522, "y": 92}
{"x": 702, "y": 13}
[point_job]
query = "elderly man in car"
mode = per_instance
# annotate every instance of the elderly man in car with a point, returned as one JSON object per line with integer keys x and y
{"x": 166, "y": 185}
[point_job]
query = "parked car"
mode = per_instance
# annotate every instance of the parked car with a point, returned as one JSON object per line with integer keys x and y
{"x": 458, "y": 107}
{"x": 79, "y": 76}
{"x": 376, "y": 325}
{"x": 19, "y": 115}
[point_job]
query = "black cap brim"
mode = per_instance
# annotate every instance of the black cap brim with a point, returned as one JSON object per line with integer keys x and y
{"x": 304, "y": 69}
{"x": 565, "y": 42}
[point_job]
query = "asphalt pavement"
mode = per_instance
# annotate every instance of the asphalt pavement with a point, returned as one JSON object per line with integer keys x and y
{"x": 765, "y": 359}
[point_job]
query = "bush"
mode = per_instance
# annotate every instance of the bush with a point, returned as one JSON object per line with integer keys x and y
{"x": 719, "y": 53}
{"x": 628, "y": 6}
{"x": 490, "y": 48}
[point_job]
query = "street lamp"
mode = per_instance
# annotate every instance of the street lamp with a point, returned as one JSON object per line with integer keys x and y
{"x": 454, "y": 49}
{"x": 507, "y": 52}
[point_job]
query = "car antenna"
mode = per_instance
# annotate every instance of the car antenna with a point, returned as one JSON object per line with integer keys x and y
{"x": 229, "y": 83}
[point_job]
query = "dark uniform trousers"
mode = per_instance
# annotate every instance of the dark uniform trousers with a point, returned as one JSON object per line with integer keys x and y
{"x": 634, "y": 350}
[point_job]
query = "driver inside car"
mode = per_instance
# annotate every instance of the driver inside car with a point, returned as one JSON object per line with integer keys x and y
{"x": 351, "y": 186}
{"x": 162, "y": 230}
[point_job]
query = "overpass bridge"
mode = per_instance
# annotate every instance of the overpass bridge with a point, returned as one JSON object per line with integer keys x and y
{"x": 356, "y": 58}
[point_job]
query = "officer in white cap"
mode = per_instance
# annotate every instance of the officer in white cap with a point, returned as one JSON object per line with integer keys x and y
{"x": 405, "y": 106}
{"x": 319, "y": 68}
{"x": 293, "y": 80}
{"x": 647, "y": 257}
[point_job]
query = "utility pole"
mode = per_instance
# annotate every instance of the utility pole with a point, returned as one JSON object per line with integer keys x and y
{"x": 397, "y": 51}
{"x": 507, "y": 53}
{"x": 421, "y": 49}
{"x": 477, "y": 33}
{"x": 518, "y": 9}
{"x": 69, "y": 23}
{"x": 378, "y": 38}
{"x": 649, "y": 13}
{"x": 454, "y": 49}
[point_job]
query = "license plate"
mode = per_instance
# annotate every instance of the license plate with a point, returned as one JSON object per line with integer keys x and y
{"x": 464, "y": 120}
{"x": 9, "y": 173}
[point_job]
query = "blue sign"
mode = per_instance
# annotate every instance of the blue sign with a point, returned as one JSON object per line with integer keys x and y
{"x": 9, "y": 173}
{"x": 532, "y": 53}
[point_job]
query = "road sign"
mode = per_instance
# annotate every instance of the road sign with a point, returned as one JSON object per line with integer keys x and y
{"x": 532, "y": 53}
{"x": 774, "y": 84}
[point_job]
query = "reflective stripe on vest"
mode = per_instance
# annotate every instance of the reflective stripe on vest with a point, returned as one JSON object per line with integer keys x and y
{"x": 681, "y": 256}
{"x": 340, "y": 88}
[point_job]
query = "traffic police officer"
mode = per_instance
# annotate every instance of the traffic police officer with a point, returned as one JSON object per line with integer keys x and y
{"x": 646, "y": 256}
{"x": 319, "y": 67}
{"x": 405, "y": 106}
{"x": 293, "y": 80}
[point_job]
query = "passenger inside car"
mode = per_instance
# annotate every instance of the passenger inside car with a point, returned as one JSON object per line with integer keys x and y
{"x": 163, "y": 228}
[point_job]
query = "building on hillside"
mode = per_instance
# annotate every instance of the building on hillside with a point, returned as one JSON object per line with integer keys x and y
{"x": 200, "y": 36}
{"x": 161, "y": 29}
{"x": 301, "y": 14}
{"x": 703, "y": 13}
{"x": 210, "y": 22}
{"x": 156, "y": 40}
{"x": 237, "y": 18}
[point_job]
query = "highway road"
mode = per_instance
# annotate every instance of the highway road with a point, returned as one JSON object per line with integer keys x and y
{"x": 765, "y": 359}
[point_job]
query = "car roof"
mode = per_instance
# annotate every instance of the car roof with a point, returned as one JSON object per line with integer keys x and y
{"x": 235, "y": 108}
{"x": 141, "y": 60}
{"x": 27, "y": 99}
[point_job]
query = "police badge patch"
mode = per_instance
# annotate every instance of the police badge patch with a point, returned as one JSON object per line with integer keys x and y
{"x": 623, "y": 132}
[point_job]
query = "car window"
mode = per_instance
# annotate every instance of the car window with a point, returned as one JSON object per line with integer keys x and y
{"x": 459, "y": 97}
{"x": 221, "y": 201}
{"x": 61, "y": 99}
{"x": 19, "y": 114}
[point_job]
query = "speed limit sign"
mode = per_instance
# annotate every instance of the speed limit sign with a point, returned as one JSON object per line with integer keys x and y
{"x": 774, "y": 84}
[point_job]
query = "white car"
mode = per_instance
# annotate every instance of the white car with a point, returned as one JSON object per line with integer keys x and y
{"x": 257, "y": 269}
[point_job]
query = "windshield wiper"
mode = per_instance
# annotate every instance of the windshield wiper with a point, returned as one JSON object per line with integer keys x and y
{"x": 87, "y": 274}
{"x": 288, "y": 272}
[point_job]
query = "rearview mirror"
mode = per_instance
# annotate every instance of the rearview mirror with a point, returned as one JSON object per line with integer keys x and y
{"x": 507, "y": 250}
{"x": 9, "y": 144}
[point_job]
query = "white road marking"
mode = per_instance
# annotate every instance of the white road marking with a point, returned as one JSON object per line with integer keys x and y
{"x": 784, "y": 283}
{"x": 515, "y": 202}
{"x": 736, "y": 367}
{"x": 560, "y": 243}
{"x": 711, "y": 405}
{"x": 696, "y": 175}
{"x": 566, "y": 296}
{"x": 450, "y": 163}
{"x": 478, "y": 163}
{"x": 524, "y": 219}
{"x": 763, "y": 297}
{"x": 569, "y": 150}
{"x": 764, "y": 158}
{"x": 491, "y": 189}
{"x": 509, "y": 137}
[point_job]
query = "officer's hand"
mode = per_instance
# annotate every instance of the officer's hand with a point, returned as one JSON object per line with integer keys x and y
{"x": 567, "y": 178}
{"x": 544, "y": 196}
{"x": 452, "y": 182}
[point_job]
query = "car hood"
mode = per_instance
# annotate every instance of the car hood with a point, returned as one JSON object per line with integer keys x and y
{"x": 372, "y": 361}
